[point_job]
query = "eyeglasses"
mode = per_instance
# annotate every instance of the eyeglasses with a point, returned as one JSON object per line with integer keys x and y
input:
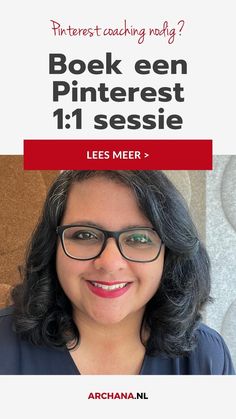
{"x": 83, "y": 242}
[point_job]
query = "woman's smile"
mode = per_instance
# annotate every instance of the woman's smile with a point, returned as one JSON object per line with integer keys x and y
{"x": 108, "y": 289}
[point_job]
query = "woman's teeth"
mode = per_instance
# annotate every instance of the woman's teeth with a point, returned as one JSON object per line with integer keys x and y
{"x": 110, "y": 287}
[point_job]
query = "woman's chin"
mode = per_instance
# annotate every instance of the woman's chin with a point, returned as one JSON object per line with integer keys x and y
{"x": 108, "y": 318}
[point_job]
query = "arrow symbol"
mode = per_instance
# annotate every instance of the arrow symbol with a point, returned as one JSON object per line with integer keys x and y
{"x": 146, "y": 155}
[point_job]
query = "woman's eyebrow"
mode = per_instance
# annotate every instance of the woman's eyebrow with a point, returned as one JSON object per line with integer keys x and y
{"x": 85, "y": 222}
{"x": 95, "y": 224}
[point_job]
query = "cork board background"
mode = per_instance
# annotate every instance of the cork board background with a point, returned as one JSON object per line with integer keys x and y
{"x": 21, "y": 198}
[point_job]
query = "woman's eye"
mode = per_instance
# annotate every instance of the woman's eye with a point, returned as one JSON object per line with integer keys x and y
{"x": 138, "y": 239}
{"x": 84, "y": 235}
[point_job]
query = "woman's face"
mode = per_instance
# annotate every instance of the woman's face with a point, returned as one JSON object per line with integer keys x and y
{"x": 110, "y": 206}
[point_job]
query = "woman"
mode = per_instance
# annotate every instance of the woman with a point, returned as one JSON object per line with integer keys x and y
{"x": 114, "y": 283}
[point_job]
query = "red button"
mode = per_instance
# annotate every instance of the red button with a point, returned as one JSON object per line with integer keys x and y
{"x": 118, "y": 154}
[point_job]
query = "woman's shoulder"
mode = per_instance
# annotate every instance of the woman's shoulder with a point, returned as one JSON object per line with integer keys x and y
{"x": 207, "y": 334}
{"x": 19, "y": 356}
{"x": 208, "y": 338}
{"x": 6, "y": 318}
{"x": 7, "y": 311}
{"x": 8, "y": 342}
{"x": 7, "y": 334}
{"x": 211, "y": 355}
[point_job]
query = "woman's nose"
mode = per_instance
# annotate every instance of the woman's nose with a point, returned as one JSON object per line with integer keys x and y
{"x": 110, "y": 259}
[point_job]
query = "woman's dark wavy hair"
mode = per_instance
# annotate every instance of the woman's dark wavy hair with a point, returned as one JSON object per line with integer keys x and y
{"x": 43, "y": 313}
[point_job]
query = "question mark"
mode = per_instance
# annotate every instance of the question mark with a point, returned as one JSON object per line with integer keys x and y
{"x": 181, "y": 22}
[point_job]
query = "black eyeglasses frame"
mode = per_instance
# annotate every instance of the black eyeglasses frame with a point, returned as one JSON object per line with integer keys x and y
{"x": 107, "y": 234}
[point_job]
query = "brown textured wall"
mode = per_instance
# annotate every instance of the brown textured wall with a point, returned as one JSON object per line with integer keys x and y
{"x": 21, "y": 198}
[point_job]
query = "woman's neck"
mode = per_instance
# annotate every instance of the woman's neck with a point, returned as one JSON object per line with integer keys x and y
{"x": 109, "y": 348}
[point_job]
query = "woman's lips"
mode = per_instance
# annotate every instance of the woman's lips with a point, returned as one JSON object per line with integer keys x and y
{"x": 108, "y": 289}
